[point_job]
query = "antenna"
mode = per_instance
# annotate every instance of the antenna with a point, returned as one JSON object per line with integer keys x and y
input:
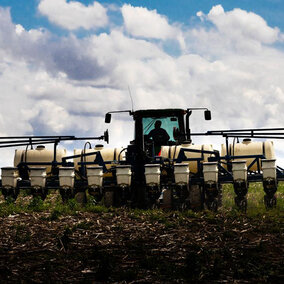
{"x": 131, "y": 98}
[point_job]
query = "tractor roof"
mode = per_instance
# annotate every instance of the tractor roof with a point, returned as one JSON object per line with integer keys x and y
{"x": 159, "y": 112}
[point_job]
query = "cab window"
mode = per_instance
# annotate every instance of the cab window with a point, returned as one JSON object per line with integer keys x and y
{"x": 168, "y": 123}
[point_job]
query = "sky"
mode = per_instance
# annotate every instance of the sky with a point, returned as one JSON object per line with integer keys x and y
{"x": 64, "y": 64}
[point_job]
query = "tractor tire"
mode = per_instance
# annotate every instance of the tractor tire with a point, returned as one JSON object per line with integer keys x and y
{"x": 196, "y": 197}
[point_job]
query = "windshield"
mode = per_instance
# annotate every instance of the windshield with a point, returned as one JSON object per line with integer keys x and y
{"x": 168, "y": 124}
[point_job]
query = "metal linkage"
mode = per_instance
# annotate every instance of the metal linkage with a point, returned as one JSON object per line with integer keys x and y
{"x": 277, "y": 133}
{"x": 15, "y": 141}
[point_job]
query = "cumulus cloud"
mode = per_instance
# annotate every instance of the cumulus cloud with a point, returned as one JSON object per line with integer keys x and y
{"x": 237, "y": 31}
{"x": 141, "y": 22}
{"x": 64, "y": 85}
{"x": 69, "y": 55}
{"x": 239, "y": 23}
{"x": 74, "y": 15}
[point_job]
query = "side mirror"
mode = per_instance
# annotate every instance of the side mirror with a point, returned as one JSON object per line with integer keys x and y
{"x": 207, "y": 114}
{"x": 106, "y": 136}
{"x": 108, "y": 118}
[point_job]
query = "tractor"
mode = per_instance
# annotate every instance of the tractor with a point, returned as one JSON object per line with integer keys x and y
{"x": 160, "y": 168}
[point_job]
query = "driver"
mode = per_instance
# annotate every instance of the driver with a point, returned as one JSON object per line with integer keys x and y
{"x": 159, "y": 135}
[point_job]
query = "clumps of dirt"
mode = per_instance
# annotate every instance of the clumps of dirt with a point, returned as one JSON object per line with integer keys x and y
{"x": 148, "y": 247}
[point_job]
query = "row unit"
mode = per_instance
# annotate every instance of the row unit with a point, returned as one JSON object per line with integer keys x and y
{"x": 38, "y": 175}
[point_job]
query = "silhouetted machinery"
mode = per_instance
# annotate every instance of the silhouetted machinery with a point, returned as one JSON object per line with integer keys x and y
{"x": 161, "y": 167}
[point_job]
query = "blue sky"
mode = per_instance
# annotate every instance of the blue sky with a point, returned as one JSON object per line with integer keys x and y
{"x": 64, "y": 64}
{"x": 25, "y": 11}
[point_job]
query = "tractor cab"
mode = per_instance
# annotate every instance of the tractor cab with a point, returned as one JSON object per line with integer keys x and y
{"x": 155, "y": 128}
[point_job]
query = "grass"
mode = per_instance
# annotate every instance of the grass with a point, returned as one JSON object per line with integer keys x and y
{"x": 256, "y": 207}
{"x": 53, "y": 205}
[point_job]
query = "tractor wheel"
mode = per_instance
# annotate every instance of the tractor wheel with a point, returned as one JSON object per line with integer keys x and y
{"x": 195, "y": 197}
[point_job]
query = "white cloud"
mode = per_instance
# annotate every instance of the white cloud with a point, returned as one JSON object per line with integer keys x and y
{"x": 74, "y": 15}
{"x": 141, "y": 22}
{"x": 19, "y": 29}
{"x": 239, "y": 23}
{"x": 233, "y": 31}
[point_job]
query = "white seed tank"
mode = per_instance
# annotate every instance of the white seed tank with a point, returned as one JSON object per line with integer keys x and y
{"x": 108, "y": 154}
{"x": 172, "y": 152}
{"x": 40, "y": 154}
{"x": 247, "y": 147}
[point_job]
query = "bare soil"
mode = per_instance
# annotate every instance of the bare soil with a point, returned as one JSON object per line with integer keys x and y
{"x": 125, "y": 246}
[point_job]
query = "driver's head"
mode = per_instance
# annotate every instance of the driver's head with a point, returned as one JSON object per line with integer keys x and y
{"x": 158, "y": 124}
